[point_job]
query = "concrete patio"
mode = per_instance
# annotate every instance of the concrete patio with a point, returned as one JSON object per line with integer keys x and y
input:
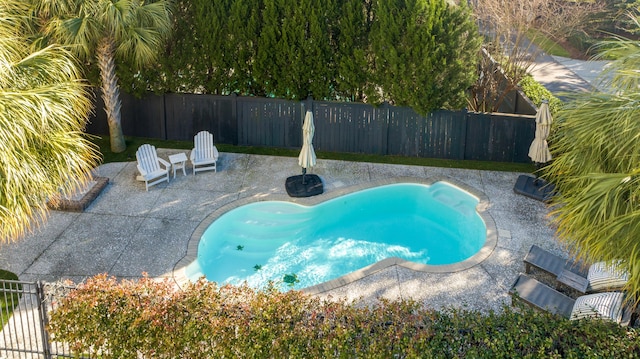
{"x": 127, "y": 231}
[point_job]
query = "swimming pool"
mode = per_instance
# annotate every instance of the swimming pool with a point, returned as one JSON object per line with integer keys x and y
{"x": 301, "y": 246}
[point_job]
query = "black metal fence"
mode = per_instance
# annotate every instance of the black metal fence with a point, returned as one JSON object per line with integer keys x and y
{"x": 340, "y": 127}
{"x": 24, "y": 310}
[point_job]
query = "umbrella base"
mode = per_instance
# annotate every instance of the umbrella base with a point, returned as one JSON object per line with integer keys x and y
{"x": 312, "y": 186}
{"x": 534, "y": 187}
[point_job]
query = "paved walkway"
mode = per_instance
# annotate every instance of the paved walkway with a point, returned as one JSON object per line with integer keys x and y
{"x": 127, "y": 231}
{"x": 562, "y": 75}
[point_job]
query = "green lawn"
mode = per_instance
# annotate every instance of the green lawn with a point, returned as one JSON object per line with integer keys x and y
{"x": 8, "y": 301}
{"x": 134, "y": 142}
{"x": 547, "y": 44}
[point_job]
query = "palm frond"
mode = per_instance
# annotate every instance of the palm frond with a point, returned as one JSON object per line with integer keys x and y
{"x": 43, "y": 153}
{"x": 596, "y": 168}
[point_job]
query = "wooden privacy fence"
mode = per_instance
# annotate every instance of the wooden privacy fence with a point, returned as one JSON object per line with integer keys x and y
{"x": 339, "y": 126}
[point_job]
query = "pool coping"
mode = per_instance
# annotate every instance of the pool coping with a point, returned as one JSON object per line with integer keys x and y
{"x": 181, "y": 279}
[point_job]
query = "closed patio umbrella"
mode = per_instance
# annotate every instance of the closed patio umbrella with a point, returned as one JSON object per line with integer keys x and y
{"x": 536, "y": 187}
{"x": 539, "y": 149}
{"x": 307, "y": 157}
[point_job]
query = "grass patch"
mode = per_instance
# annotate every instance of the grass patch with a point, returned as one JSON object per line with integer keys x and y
{"x": 8, "y": 300}
{"x": 547, "y": 44}
{"x": 134, "y": 142}
{"x": 132, "y": 146}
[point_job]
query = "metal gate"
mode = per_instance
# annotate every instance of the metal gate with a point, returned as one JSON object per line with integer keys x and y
{"x": 24, "y": 308}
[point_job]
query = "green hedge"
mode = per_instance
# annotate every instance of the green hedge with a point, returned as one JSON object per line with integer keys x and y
{"x": 152, "y": 319}
{"x": 536, "y": 93}
{"x": 417, "y": 53}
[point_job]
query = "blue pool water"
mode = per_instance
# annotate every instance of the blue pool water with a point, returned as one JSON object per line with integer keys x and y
{"x": 280, "y": 241}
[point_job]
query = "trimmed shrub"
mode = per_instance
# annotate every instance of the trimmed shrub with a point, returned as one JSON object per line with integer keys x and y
{"x": 153, "y": 319}
{"x": 536, "y": 93}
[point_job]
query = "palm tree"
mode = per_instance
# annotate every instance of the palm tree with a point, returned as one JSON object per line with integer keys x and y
{"x": 126, "y": 29}
{"x": 44, "y": 108}
{"x": 597, "y": 167}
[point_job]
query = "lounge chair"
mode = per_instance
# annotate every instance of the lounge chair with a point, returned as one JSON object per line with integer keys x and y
{"x": 204, "y": 155}
{"x": 600, "y": 276}
{"x": 606, "y": 305}
{"x": 151, "y": 166}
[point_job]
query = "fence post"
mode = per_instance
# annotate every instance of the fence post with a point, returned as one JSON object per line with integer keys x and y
{"x": 463, "y": 143}
{"x": 234, "y": 117}
{"x": 387, "y": 114}
{"x": 43, "y": 316}
{"x": 165, "y": 133}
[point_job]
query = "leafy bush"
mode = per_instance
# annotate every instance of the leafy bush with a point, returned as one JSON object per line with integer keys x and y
{"x": 583, "y": 42}
{"x": 152, "y": 319}
{"x": 536, "y": 93}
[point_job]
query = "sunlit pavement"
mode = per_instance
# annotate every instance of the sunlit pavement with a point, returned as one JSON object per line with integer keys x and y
{"x": 127, "y": 231}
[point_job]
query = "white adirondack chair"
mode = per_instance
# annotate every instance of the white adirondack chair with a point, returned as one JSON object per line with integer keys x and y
{"x": 204, "y": 154}
{"x": 151, "y": 166}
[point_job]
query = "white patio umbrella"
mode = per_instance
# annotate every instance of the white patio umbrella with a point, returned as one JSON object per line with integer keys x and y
{"x": 539, "y": 149}
{"x": 307, "y": 157}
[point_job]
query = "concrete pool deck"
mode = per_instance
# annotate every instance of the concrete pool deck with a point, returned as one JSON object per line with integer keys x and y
{"x": 127, "y": 231}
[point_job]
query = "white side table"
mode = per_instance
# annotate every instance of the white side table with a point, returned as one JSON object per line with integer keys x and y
{"x": 178, "y": 161}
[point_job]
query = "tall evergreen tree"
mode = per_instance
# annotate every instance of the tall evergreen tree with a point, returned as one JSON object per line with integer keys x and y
{"x": 425, "y": 53}
{"x": 192, "y": 58}
{"x": 243, "y": 30}
{"x": 265, "y": 69}
{"x": 288, "y": 55}
{"x": 353, "y": 75}
{"x": 303, "y": 52}
{"x": 418, "y": 53}
{"x": 391, "y": 19}
{"x": 217, "y": 57}
{"x": 318, "y": 50}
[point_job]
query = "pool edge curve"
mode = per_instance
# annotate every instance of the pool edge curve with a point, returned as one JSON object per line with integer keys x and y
{"x": 181, "y": 279}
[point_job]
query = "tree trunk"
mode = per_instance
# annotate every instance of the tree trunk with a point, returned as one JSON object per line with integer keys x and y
{"x": 111, "y": 93}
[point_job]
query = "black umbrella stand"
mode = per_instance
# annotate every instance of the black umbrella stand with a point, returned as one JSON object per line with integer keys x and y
{"x": 534, "y": 187}
{"x": 304, "y": 185}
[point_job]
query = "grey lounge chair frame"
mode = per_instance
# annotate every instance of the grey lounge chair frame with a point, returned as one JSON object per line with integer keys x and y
{"x": 570, "y": 273}
{"x": 540, "y": 296}
{"x": 548, "y": 262}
